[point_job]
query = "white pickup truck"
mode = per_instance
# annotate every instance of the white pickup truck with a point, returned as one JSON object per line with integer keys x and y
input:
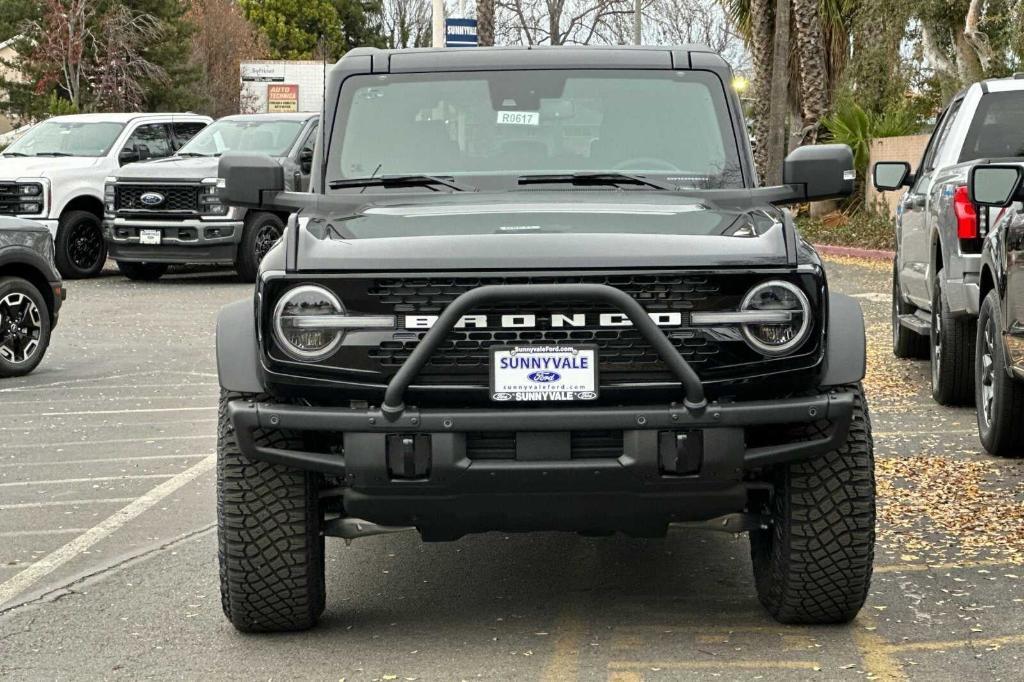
{"x": 54, "y": 175}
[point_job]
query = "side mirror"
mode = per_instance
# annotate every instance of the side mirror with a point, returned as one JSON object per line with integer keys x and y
{"x": 306, "y": 160}
{"x": 127, "y": 155}
{"x": 992, "y": 185}
{"x": 825, "y": 171}
{"x": 892, "y": 175}
{"x": 248, "y": 178}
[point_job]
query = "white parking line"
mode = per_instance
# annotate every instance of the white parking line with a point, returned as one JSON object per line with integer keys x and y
{"x": 135, "y": 411}
{"x": 54, "y": 531}
{"x": 65, "y": 503}
{"x": 111, "y": 441}
{"x": 111, "y": 399}
{"x": 100, "y": 460}
{"x": 35, "y": 429}
{"x": 111, "y": 387}
{"x": 69, "y": 551}
{"x": 62, "y": 481}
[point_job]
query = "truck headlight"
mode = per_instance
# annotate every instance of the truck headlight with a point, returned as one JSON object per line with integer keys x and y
{"x": 31, "y": 196}
{"x": 209, "y": 197}
{"x": 109, "y": 193}
{"x": 777, "y": 338}
{"x": 309, "y": 322}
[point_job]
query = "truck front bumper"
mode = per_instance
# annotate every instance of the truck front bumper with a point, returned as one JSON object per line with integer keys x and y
{"x": 437, "y": 470}
{"x": 181, "y": 241}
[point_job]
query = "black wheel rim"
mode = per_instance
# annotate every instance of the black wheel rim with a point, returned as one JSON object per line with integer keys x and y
{"x": 85, "y": 244}
{"x": 21, "y": 328}
{"x": 266, "y": 237}
{"x": 988, "y": 374}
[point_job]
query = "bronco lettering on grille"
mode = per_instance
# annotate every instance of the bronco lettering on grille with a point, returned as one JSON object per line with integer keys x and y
{"x": 555, "y": 320}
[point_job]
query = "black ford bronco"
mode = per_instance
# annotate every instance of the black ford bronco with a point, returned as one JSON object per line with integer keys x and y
{"x": 540, "y": 289}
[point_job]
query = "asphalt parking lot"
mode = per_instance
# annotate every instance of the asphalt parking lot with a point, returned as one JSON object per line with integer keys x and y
{"x": 108, "y": 563}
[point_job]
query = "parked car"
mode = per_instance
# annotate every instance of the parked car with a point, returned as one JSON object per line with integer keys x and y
{"x": 520, "y": 296}
{"x": 169, "y": 211}
{"x": 31, "y": 293}
{"x": 939, "y": 235}
{"x": 54, "y": 174}
{"x": 999, "y": 358}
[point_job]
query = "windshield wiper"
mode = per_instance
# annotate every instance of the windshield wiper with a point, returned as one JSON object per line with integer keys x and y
{"x": 192, "y": 154}
{"x": 53, "y": 154}
{"x": 400, "y": 181}
{"x": 595, "y": 178}
{"x": 13, "y": 154}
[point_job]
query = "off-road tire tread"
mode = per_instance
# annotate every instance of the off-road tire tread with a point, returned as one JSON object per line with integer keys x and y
{"x": 956, "y": 371}
{"x": 270, "y": 547}
{"x": 1006, "y": 437}
{"x": 814, "y": 564}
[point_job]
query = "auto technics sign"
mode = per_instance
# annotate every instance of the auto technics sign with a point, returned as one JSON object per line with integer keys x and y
{"x": 282, "y": 98}
{"x": 460, "y": 33}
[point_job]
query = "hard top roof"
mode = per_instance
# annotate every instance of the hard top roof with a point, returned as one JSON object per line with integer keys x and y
{"x": 116, "y": 117}
{"x": 285, "y": 116}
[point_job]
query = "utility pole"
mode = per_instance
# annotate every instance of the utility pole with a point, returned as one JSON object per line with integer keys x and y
{"x": 637, "y": 22}
{"x": 437, "y": 27}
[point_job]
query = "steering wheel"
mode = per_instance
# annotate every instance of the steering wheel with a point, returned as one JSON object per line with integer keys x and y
{"x": 642, "y": 163}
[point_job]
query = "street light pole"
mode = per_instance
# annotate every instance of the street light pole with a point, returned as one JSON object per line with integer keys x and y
{"x": 437, "y": 26}
{"x": 637, "y": 16}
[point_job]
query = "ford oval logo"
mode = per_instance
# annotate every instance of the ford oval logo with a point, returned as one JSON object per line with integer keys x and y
{"x": 586, "y": 395}
{"x": 543, "y": 377}
{"x": 502, "y": 396}
{"x": 152, "y": 198}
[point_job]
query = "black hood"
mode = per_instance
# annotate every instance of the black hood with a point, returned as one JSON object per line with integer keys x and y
{"x": 526, "y": 230}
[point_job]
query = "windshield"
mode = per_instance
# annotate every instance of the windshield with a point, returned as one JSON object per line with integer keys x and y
{"x": 62, "y": 138}
{"x": 264, "y": 137}
{"x": 997, "y": 130}
{"x": 673, "y": 125}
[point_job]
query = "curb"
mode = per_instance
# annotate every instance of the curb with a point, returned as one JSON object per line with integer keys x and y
{"x": 854, "y": 252}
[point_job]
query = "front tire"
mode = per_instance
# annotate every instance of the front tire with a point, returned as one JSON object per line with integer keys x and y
{"x": 142, "y": 272}
{"x": 261, "y": 232}
{"x": 952, "y": 351}
{"x": 998, "y": 396}
{"x": 270, "y": 546}
{"x": 24, "y": 327}
{"x": 79, "y": 249}
{"x": 813, "y": 564}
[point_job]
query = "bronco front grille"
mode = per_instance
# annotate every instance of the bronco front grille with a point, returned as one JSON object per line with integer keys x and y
{"x": 176, "y": 198}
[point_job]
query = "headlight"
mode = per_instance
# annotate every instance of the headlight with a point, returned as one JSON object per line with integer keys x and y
{"x": 109, "y": 189}
{"x": 306, "y": 302}
{"x": 309, "y": 322}
{"x": 777, "y": 338}
{"x": 31, "y": 196}
{"x": 209, "y": 197}
{"x": 30, "y": 189}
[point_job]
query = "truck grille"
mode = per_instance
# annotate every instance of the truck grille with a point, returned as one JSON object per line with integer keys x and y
{"x": 177, "y": 198}
{"x": 9, "y": 198}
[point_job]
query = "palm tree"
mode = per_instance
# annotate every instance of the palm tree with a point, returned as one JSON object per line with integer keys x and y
{"x": 814, "y": 83}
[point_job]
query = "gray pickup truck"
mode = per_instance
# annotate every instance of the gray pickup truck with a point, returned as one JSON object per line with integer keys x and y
{"x": 168, "y": 211}
{"x": 939, "y": 233}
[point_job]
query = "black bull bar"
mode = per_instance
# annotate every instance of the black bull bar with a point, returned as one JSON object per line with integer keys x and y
{"x": 724, "y": 422}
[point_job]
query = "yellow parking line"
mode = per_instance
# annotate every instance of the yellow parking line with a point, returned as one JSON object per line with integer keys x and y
{"x": 750, "y": 664}
{"x": 565, "y": 659}
{"x": 981, "y": 563}
{"x": 955, "y": 644}
{"x": 874, "y": 650}
{"x": 625, "y": 676}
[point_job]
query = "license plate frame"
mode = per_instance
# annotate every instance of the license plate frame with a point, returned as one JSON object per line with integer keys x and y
{"x": 571, "y": 383}
{"x": 151, "y": 237}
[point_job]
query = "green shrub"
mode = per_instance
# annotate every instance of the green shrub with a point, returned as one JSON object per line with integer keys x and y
{"x": 862, "y": 229}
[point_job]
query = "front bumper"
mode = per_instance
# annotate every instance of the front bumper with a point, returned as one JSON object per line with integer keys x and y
{"x": 182, "y": 241}
{"x": 418, "y": 467}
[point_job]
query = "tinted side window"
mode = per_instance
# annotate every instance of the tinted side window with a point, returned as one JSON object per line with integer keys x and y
{"x": 939, "y": 138}
{"x": 310, "y": 142}
{"x": 183, "y": 132}
{"x": 998, "y": 127}
{"x": 152, "y": 140}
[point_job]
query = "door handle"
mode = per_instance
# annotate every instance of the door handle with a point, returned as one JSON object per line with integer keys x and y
{"x": 915, "y": 201}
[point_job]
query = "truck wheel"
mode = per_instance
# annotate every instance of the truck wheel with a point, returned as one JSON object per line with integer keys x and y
{"x": 999, "y": 397}
{"x": 79, "y": 249}
{"x": 270, "y": 548}
{"x": 262, "y": 230}
{"x": 24, "y": 326}
{"x": 142, "y": 272}
{"x": 952, "y": 352}
{"x": 813, "y": 565}
{"x": 906, "y": 344}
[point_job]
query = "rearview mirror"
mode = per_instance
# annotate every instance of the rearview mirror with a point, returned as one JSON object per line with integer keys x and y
{"x": 306, "y": 160}
{"x": 128, "y": 155}
{"x": 891, "y": 175}
{"x": 991, "y": 185}
{"x": 825, "y": 171}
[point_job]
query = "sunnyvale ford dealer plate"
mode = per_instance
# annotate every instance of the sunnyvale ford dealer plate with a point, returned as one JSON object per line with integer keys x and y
{"x": 532, "y": 373}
